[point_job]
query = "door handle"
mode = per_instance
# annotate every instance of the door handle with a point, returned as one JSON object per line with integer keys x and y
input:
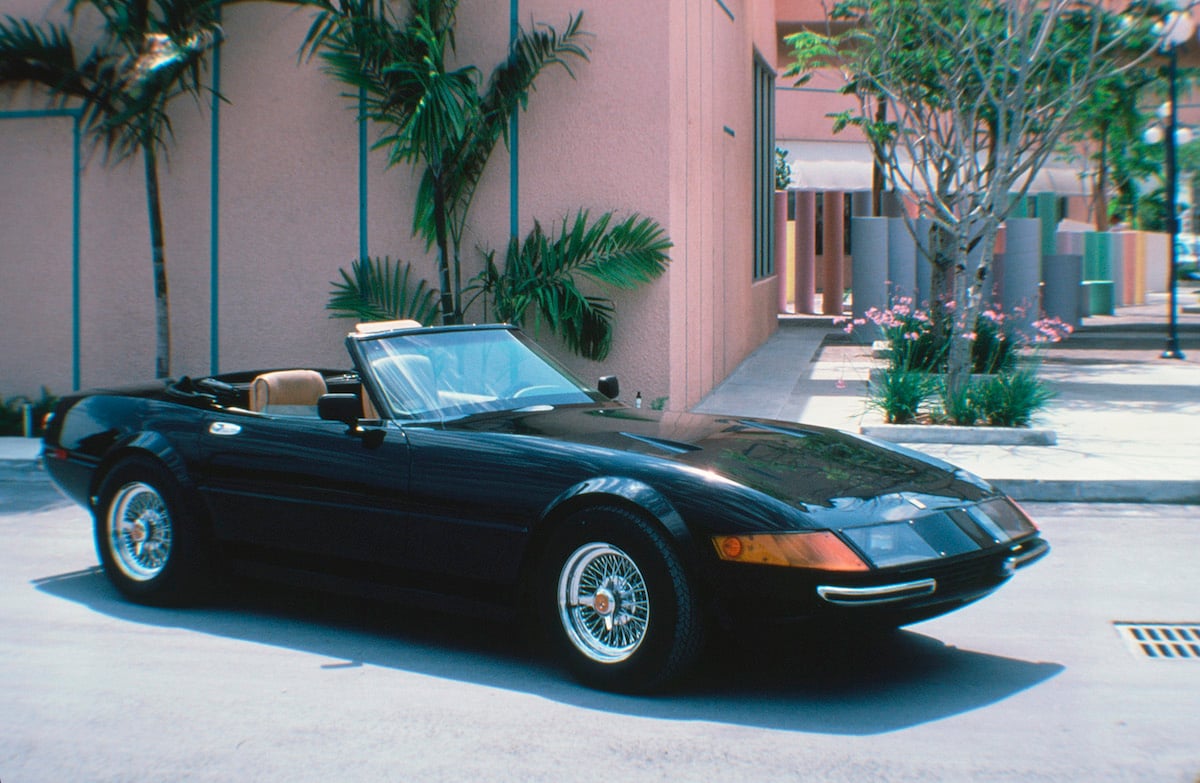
{"x": 224, "y": 428}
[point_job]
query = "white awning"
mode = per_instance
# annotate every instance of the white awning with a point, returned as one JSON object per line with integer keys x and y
{"x": 848, "y": 166}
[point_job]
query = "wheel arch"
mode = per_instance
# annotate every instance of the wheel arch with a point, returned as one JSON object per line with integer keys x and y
{"x": 148, "y": 445}
{"x": 631, "y": 494}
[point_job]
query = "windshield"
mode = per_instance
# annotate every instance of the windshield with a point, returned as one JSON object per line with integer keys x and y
{"x": 458, "y": 372}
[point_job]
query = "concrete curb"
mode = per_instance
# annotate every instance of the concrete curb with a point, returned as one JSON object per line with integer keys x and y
{"x": 972, "y": 436}
{"x": 1130, "y": 491}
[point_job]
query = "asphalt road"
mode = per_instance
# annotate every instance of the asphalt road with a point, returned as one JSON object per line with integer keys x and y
{"x": 1033, "y": 683}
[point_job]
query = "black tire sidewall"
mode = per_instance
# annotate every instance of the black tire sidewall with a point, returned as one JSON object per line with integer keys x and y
{"x": 672, "y": 633}
{"x": 179, "y": 579}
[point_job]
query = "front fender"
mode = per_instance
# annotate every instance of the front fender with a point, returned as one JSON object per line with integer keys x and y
{"x": 630, "y": 493}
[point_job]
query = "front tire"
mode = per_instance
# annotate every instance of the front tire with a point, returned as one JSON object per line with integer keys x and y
{"x": 617, "y": 602}
{"x": 148, "y": 543}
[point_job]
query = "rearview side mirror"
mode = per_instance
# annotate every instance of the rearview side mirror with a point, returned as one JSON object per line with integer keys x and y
{"x": 346, "y": 408}
{"x": 609, "y": 386}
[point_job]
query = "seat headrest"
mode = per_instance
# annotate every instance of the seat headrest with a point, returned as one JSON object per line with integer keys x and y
{"x": 286, "y": 387}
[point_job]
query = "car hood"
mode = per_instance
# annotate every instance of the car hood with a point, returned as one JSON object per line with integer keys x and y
{"x": 808, "y": 467}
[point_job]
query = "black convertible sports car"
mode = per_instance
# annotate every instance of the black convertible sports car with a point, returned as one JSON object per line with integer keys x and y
{"x": 463, "y": 465}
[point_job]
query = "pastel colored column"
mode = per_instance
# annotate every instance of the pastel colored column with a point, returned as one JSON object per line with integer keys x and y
{"x": 869, "y": 243}
{"x": 1116, "y": 258}
{"x": 833, "y": 277}
{"x": 902, "y": 259}
{"x": 1022, "y": 266}
{"x": 781, "y": 260}
{"x": 1061, "y": 296}
{"x": 805, "y": 284}
{"x": 924, "y": 261}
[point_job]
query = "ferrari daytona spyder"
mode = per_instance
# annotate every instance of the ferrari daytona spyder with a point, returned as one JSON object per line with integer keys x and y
{"x": 462, "y": 465}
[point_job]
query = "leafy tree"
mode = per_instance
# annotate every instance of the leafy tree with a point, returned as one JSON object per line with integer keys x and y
{"x": 963, "y": 103}
{"x": 150, "y": 52}
{"x": 436, "y": 119}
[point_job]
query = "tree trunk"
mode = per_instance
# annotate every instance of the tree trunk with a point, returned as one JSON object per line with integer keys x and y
{"x": 877, "y": 172}
{"x": 449, "y": 311}
{"x": 1101, "y": 199}
{"x": 968, "y": 298}
{"x": 158, "y": 256}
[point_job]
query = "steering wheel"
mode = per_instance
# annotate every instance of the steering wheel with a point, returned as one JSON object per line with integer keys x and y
{"x": 516, "y": 391}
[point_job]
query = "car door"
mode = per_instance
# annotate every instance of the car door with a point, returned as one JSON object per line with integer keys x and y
{"x": 314, "y": 492}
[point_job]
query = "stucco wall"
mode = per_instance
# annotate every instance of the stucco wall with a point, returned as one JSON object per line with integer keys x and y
{"x": 640, "y": 129}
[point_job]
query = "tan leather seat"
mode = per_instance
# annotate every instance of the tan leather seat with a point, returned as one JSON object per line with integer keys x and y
{"x": 292, "y": 392}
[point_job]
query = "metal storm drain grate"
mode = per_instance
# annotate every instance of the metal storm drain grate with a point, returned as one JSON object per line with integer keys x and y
{"x": 1162, "y": 641}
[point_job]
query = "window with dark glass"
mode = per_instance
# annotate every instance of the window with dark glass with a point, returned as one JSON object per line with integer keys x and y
{"x": 764, "y": 170}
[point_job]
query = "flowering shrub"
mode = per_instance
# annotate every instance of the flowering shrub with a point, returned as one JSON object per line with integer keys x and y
{"x": 918, "y": 351}
{"x": 916, "y": 341}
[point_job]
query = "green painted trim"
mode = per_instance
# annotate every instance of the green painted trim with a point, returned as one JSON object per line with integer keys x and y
{"x": 38, "y": 114}
{"x": 362, "y": 173}
{"x": 214, "y": 219}
{"x": 725, "y": 8}
{"x": 514, "y": 139}
{"x": 76, "y": 174}
{"x": 728, "y": 130}
{"x": 76, "y": 189}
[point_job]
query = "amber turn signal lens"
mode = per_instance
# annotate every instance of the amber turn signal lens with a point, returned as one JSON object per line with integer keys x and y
{"x": 819, "y": 549}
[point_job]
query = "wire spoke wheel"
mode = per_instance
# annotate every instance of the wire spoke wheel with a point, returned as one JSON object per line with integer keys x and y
{"x": 603, "y": 602}
{"x": 140, "y": 531}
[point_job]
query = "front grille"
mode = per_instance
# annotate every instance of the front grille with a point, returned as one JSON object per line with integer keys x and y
{"x": 965, "y": 575}
{"x": 1162, "y": 641}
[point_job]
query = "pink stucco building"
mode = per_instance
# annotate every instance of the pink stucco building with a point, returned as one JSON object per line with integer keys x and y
{"x": 267, "y": 195}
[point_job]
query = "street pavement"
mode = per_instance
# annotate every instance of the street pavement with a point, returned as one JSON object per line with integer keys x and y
{"x": 1126, "y": 421}
{"x": 1033, "y": 683}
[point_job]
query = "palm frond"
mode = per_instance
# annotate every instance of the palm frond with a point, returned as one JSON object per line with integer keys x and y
{"x": 378, "y": 289}
{"x": 538, "y": 285}
{"x": 29, "y": 54}
{"x": 507, "y": 91}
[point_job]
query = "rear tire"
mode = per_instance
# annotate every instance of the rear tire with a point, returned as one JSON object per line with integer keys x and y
{"x": 148, "y": 542}
{"x": 617, "y": 603}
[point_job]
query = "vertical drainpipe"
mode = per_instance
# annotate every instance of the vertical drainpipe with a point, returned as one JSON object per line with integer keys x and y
{"x": 514, "y": 157}
{"x": 76, "y": 174}
{"x": 362, "y": 172}
{"x": 214, "y": 208}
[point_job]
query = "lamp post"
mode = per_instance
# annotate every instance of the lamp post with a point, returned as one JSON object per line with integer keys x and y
{"x": 1173, "y": 32}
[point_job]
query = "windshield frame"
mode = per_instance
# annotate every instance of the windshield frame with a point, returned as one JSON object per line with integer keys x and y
{"x": 462, "y": 390}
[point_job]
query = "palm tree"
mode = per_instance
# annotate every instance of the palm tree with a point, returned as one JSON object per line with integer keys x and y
{"x": 538, "y": 281}
{"x": 436, "y": 119}
{"x": 150, "y": 52}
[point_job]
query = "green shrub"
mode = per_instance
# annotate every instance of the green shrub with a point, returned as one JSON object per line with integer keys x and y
{"x": 899, "y": 394}
{"x": 1012, "y": 399}
{"x": 12, "y": 413}
{"x": 961, "y": 407}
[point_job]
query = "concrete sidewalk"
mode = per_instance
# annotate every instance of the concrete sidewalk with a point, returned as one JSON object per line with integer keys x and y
{"x": 1127, "y": 421}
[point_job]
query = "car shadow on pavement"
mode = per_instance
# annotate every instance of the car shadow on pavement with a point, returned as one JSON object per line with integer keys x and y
{"x": 830, "y": 686}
